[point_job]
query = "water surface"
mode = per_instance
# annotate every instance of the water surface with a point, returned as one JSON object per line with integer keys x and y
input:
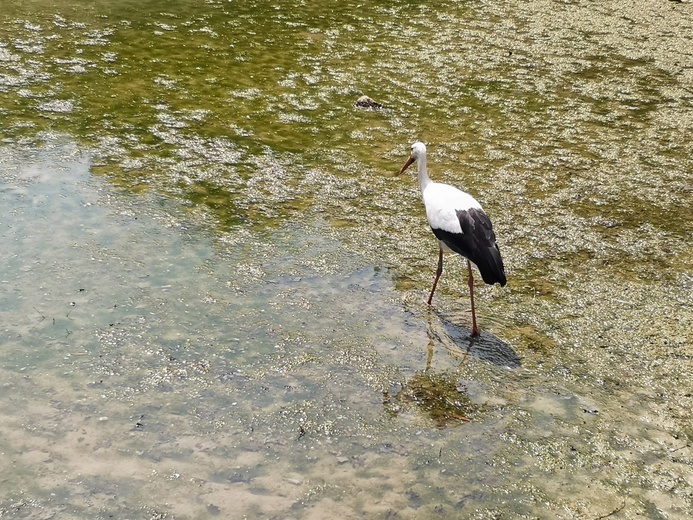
{"x": 212, "y": 284}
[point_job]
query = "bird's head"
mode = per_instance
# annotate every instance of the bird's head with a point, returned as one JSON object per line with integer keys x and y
{"x": 418, "y": 150}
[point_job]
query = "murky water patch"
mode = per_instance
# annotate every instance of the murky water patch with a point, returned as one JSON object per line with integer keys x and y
{"x": 116, "y": 326}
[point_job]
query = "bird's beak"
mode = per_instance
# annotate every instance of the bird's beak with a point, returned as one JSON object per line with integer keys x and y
{"x": 409, "y": 162}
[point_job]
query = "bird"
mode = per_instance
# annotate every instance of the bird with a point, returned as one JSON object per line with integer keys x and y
{"x": 460, "y": 225}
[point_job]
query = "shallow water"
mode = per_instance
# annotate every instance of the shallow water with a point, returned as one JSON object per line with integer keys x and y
{"x": 212, "y": 284}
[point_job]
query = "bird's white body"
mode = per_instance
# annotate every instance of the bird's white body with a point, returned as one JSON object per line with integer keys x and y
{"x": 442, "y": 203}
{"x": 460, "y": 225}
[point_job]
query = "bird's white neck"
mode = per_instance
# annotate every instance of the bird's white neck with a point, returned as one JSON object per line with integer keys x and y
{"x": 424, "y": 179}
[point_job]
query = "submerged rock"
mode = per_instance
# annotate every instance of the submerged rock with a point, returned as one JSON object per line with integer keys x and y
{"x": 366, "y": 102}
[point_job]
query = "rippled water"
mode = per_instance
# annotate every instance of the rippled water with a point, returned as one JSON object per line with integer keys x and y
{"x": 212, "y": 283}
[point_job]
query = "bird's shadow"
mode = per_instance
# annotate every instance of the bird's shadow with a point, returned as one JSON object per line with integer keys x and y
{"x": 484, "y": 346}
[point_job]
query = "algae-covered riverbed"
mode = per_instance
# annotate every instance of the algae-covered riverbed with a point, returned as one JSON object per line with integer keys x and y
{"x": 212, "y": 283}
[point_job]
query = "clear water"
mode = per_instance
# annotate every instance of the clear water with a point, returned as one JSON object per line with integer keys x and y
{"x": 212, "y": 283}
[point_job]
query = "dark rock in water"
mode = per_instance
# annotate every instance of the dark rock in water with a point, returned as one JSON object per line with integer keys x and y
{"x": 366, "y": 102}
{"x": 437, "y": 395}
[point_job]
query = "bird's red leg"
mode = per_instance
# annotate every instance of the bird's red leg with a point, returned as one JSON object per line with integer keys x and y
{"x": 475, "y": 329}
{"x": 439, "y": 271}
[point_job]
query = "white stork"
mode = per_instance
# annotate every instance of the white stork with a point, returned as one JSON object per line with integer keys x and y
{"x": 460, "y": 224}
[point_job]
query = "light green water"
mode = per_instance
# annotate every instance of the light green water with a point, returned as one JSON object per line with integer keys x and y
{"x": 212, "y": 283}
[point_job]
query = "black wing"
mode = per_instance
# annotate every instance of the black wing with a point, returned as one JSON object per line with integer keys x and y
{"x": 477, "y": 242}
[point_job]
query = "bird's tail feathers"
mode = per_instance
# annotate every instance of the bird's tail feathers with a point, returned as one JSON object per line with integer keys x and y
{"x": 490, "y": 265}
